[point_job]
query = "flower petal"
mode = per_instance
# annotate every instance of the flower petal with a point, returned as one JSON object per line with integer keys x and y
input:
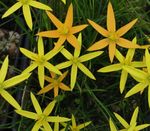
{"x": 3, "y": 70}
{"x": 123, "y": 79}
{"x": 98, "y": 45}
{"x": 39, "y": 5}
{"x": 27, "y": 114}
{"x": 77, "y": 52}
{"x": 64, "y": 87}
{"x": 112, "y": 50}
{"x": 41, "y": 73}
{"x": 86, "y": 71}
{"x": 36, "y": 126}
{"x": 46, "y": 89}
{"x": 99, "y": 28}
{"x": 137, "y": 88}
{"x": 112, "y": 126}
{"x": 57, "y": 119}
{"x": 12, "y": 9}
{"x": 119, "y": 56}
{"x": 147, "y": 56}
{"x": 15, "y": 80}
{"x": 10, "y": 99}
{"x": 111, "y": 68}
{"x": 64, "y": 65}
{"x": 49, "y": 34}
{"x": 55, "y": 21}
{"x": 73, "y": 121}
{"x": 47, "y": 126}
{"x": 40, "y": 47}
{"x": 35, "y": 104}
{"x": 63, "y": 76}
{"x": 28, "y": 54}
{"x": 81, "y": 126}
{"x": 73, "y": 76}
{"x": 78, "y": 28}
{"x": 30, "y": 68}
{"x": 126, "y": 28}
{"x": 49, "y": 108}
{"x": 111, "y": 22}
{"x": 134, "y": 116}
{"x": 66, "y": 54}
{"x": 121, "y": 120}
{"x": 60, "y": 42}
{"x": 138, "y": 64}
{"x": 27, "y": 15}
{"x": 140, "y": 127}
{"x": 73, "y": 41}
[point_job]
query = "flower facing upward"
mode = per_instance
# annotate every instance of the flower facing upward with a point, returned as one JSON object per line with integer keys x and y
{"x": 76, "y": 62}
{"x": 56, "y": 83}
{"x": 124, "y": 61}
{"x": 133, "y": 123}
{"x": 65, "y": 31}
{"x": 143, "y": 77}
{"x": 74, "y": 126}
{"x": 25, "y": 4}
{"x": 5, "y": 84}
{"x": 42, "y": 118}
{"x": 40, "y": 60}
{"x": 113, "y": 37}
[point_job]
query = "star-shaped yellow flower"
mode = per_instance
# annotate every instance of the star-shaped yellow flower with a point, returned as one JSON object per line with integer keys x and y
{"x": 74, "y": 126}
{"x": 25, "y": 4}
{"x": 124, "y": 61}
{"x": 133, "y": 123}
{"x": 42, "y": 118}
{"x": 5, "y": 84}
{"x": 76, "y": 62}
{"x": 56, "y": 83}
{"x": 65, "y": 31}
{"x": 113, "y": 37}
{"x": 140, "y": 76}
{"x": 40, "y": 60}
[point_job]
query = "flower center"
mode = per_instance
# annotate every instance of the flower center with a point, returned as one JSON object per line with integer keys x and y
{"x": 75, "y": 60}
{"x": 41, "y": 60}
{"x": 24, "y": 1}
{"x": 74, "y": 129}
{"x": 64, "y": 30}
{"x": 113, "y": 36}
{"x": 42, "y": 117}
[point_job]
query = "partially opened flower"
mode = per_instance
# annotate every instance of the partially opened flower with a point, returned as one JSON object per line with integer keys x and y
{"x": 133, "y": 123}
{"x": 25, "y": 4}
{"x": 140, "y": 76}
{"x": 42, "y": 118}
{"x": 112, "y": 126}
{"x": 76, "y": 62}
{"x": 65, "y": 31}
{"x": 124, "y": 61}
{"x": 40, "y": 60}
{"x": 55, "y": 83}
{"x": 74, "y": 126}
{"x": 113, "y": 36}
{"x": 6, "y": 84}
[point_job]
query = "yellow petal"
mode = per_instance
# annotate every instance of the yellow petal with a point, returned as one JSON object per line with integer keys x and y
{"x": 35, "y": 104}
{"x": 123, "y": 79}
{"x": 66, "y": 54}
{"x": 30, "y": 68}
{"x": 137, "y": 88}
{"x": 98, "y": 45}
{"x": 52, "y": 68}
{"x": 140, "y": 127}
{"x": 112, "y": 50}
{"x": 86, "y": 71}
{"x": 121, "y": 120}
{"x": 63, "y": 76}
{"x": 15, "y": 80}
{"x": 27, "y": 114}
{"x": 3, "y": 70}
{"x": 126, "y": 28}
{"x": 69, "y": 17}
{"x": 90, "y": 56}
{"x": 111, "y": 23}
{"x": 60, "y": 42}
{"x": 45, "y": 89}
{"x": 10, "y": 99}
{"x": 112, "y": 126}
{"x": 12, "y": 9}
{"x": 39, "y": 5}
{"x": 36, "y": 126}
{"x": 64, "y": 1}
{"x": 77, "y": 52}
{"x": 49, "y": 108}
{"x": 110, "y": 68}
{"x": 73, "y": 121}
{"x": 41, "y": 75}
{"x": 50, "y": 34}
{"x": 64, "y": 87}
{"x": 78, "y": 28}
{"x": 56, "y": 126}
{"x": 55, "y": 21}
{"x": 81, "y": 126}
{"x": 147, "y": 56}
{"x": 98, "y": 28}
{"x": 119, "y": 56}
{"x": 47, "y": 126}
{"x": 73, "y": 76}
{"x": 57, "y": 119}
{"x": 56, "y": 90}
{"x": 138, "y": 64}
{"x": 27, "y": 15}
{"x": 28, "y": 54}
{"x": 64, "y": 65}
{"x": 134, "y": 116}
{"x": 40, "y": 47}
{"x": 73, "y": 41}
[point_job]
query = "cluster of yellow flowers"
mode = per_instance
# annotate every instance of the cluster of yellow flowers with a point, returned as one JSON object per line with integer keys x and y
{"x": 66, "y": 32}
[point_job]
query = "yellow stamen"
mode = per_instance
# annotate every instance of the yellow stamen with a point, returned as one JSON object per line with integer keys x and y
{"x": 113, "y": 36}
{"x": 64, "y": 30}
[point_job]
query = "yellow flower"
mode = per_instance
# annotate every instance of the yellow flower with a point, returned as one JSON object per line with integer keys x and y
{"x": 76, "y": 62}
{"x": 74, "y": 126}
{"x": 112, "y": 126}
{"x": 65, "y": 31}
{"x": 133, "y": 123}
{"x": 113, "y": 37}
{"x": 42, "y": 118}
{"x": 56, "y": 83}
{"x": 140, "y": 76}
{"x": 5, "y": 84}
{"x": 40, "y": 60}
{"x": 25, "y": 4}
{"x": 124, "y": 61}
